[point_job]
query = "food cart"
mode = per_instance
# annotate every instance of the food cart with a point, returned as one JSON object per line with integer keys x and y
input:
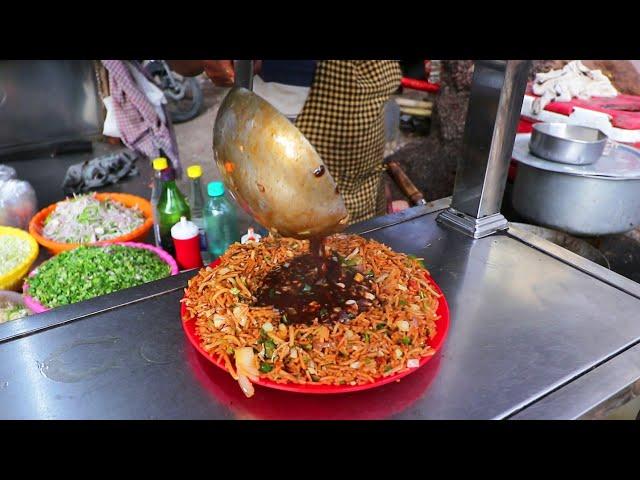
{"x": 536, "y": 331}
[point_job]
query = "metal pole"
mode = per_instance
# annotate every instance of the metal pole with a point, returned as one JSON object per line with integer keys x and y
{"x": 496, "y": 98}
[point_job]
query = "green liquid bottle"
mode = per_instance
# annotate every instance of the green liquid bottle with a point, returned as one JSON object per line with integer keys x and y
{"x": 171, "y": 206}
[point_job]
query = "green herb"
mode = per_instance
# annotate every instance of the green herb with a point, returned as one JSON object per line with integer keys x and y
{"x": 266, "y": 367}
{"x": 230, "y": 351}
{"x": 269, "y": 347}
{"x": 380, "y": 326}
{"x": 402, "y": 303}
{"x": 284, "y": 319}
{"x": 366, "y": 337}
{"x": 352, "y": 262}
{"x": 315, "y": 378}
{"x": 323, "y": 312}
{"x": 87, "y": 272}
{"x": 418, "y": 260}
{"x": 388, "y": 369}
{"x": 306, "y": 288}
{"x": 235, "y": 291}
{"x": 308, "y": 347}
{"x": 406, "y": 340}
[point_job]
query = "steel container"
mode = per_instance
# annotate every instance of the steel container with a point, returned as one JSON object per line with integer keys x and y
{"x": 579, "y": 205}
{"x": 560, "y": 142}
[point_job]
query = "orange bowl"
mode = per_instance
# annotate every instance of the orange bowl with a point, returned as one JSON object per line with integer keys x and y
{"x": 138, "y": 235}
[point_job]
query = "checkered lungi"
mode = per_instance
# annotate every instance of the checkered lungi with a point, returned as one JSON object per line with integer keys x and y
{"x": 343, "y": 119}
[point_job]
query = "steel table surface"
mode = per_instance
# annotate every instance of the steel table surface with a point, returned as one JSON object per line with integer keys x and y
{"x": 523, "y": 325}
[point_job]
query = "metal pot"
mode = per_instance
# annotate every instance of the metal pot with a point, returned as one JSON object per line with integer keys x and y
{"x": 591, "y": 200}
{"x": 584, "y": 206}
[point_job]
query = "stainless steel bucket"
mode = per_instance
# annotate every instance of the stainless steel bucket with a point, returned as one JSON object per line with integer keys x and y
{"x": 579, "y": 205}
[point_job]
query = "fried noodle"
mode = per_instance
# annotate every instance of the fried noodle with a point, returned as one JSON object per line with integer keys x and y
{"x": 387, "y": 339}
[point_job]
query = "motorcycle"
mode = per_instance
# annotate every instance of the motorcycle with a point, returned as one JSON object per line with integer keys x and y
{"x": 184, "y": 94}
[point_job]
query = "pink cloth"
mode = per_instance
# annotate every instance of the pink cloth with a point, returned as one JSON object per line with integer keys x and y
{"x": 139, "y": 124}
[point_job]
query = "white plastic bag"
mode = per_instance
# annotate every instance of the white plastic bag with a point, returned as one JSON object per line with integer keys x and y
{"x": 18, "y": 203}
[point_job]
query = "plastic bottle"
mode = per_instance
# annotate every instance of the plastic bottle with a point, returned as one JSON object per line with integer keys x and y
{"x": 186, "y": 240}
{"x": 221, "y": 221}
{"x": 159, "y": 164}
{"x": 196, "y": 204}
{"x": 171, "y": 207}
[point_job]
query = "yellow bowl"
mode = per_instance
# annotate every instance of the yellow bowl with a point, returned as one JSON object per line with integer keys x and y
{"x": 12, "y": 280}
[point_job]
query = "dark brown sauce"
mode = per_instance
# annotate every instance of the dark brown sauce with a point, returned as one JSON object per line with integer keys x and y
{"x": 318, "y": 172}
{"x": 315, "y": 286}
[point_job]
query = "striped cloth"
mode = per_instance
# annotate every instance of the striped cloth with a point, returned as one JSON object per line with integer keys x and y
{"x": 343, "y": 120}
{"x": 141, "y": 127}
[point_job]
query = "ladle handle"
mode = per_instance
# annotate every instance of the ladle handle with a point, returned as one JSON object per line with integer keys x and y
{"x": 243, "y": 73}
{"x": 405, "y": 184}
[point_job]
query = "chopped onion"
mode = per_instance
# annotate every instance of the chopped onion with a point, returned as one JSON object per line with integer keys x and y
{"x": 246, "y": 362}
{"x": 246, "y": 366}
{"x": 246, "y": 386}
{"x": 403, "y": 326}
{"x": 241, "y": 314}
{"x": 267, "y": 327}
{"x": 355, "y": 365}
{"x": 413, "y": 363}
{"x": 218, "y": 321}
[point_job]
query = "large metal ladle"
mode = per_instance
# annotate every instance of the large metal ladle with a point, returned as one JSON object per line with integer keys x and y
{"x": 273, "y": 171}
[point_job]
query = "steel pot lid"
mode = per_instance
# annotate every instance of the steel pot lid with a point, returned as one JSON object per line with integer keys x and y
{"x": 273, "y": 171}
{"x": 622, "y": 163}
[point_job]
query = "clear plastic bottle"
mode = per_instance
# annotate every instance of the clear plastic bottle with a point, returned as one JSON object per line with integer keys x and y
{"x": 196, "y": 204}
{"x": 159, "y": 164}
{"x": 221, "y": 221}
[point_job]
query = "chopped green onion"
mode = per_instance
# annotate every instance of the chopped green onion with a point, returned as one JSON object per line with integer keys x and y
{"x": 266, "y": 367}
{"x": 89, "y": 271}
{"x": 406, "y": 340}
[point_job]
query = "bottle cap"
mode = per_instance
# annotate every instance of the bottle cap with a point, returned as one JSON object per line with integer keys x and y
{"x": 184, "y": 229}
{"x": 194, "y": 171}
{"x": 160, "y": 163}
{"x": 215, "y": 189}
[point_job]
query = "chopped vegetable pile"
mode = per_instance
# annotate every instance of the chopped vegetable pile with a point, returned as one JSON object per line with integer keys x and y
{"x": 85, "y": 219}
{"x": 87, "y": 272}
{"x": 11, "y": 311}
{"x": 13, "y": 251}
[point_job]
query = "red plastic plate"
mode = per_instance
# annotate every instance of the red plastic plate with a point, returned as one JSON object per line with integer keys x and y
{"x": 442, "y": 325}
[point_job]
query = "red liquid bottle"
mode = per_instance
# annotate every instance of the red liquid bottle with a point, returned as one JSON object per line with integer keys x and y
{"x": 186, "y": 240}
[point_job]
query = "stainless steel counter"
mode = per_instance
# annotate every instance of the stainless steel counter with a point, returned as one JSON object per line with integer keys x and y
{"x": 526, "y": 326}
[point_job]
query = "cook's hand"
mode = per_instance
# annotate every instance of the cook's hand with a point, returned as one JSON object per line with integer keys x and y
{"x": 220, "y": 72}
